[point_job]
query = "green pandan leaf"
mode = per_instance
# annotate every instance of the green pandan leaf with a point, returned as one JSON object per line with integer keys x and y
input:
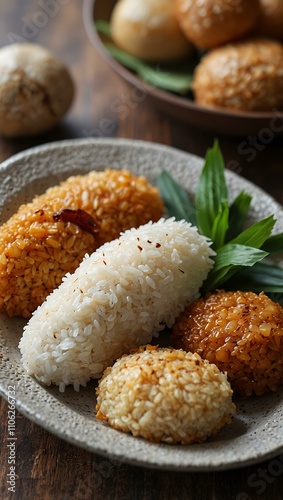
{"x": 229, "y": 260}
{"x": 274, "y": 244}
{"x": 257, "y": 234}
{"x": 174, "y": 77}
{"x": 177, "y": 78}
{"x": 239, "y": 255}
{"x": 261, "y": 277}
{"x": 103, "y": 27}
{"x": 124, "y": 58}
{"x": 220, "y": 226}
{"x": 211, "y": 190}
{"x": 264, "y": 275}
{"x": 176, "y": 199}
{"x": 239, "y": 210}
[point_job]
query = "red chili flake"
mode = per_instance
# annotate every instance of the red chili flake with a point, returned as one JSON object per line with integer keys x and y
{"x": 40, "y": 212}
{"x": 78, "y": 217}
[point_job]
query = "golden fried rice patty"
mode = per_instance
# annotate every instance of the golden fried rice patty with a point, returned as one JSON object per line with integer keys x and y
{"x": 36, "y": 251}
{"x": 163, "y": 394}
{"x": 210, "y": 23}
{"x": 243, "y": 76}
{"x": 241, "y": 332}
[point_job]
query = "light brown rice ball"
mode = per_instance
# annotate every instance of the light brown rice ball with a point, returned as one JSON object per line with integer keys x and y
{"x": 241, "y": 332}
{"x": 244, "y": 76}
{"x": 148, "y": 29}
{"x": 209, "y": 23}
{"x": 36, "y": 90}
{"x": 165, "y": 395}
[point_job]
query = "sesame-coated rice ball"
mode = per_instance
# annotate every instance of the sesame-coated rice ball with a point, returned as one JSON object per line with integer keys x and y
{"x": 165, "y": 395}
{"x": 243, "y": 76}
{"x": 210, "y": 23}
{"x": 241, "y": 332}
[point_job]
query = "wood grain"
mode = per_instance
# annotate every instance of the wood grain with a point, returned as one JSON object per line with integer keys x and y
{"x": 47, "y": 467}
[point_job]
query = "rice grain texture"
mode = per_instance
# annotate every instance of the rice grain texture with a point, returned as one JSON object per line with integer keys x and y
{"x": 36, "y": 251}
{"x": 117, "y": 299}
{"x": 165, "y": 395}
{"x": 241, "y": 332}
{"x": 242, "y": 76}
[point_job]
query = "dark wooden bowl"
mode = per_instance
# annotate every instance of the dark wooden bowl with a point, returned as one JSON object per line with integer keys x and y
{"x": 265, "y": 125}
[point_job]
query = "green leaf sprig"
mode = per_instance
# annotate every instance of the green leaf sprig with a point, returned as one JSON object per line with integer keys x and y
{"x": 176, "y": 77}
{"x": 240, "y": 251}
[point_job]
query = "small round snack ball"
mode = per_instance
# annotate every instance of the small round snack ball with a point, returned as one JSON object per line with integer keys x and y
{"x": 270, "y": 21}
{"x": 36, "y": 90}
{"x": 209, "y": 23}
{"x": 165, "y": 395}
{"x": 241, "y": 332}
{"x": 148, "y": 29}
{"x": 244, "y": 76}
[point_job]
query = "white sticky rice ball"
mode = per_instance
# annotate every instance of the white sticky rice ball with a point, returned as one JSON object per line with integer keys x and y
{"x": 118, "y": 298}
{"x": 165, "y": 395}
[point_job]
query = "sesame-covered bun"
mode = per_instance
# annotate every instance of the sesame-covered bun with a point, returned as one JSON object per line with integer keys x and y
{"x": 270, "y": 21}
{"x": 209, "y": 23}
{"x": 148, "y": 29}
{"x": 244, "y": 76}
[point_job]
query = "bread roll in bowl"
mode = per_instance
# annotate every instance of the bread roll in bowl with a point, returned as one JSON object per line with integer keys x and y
{"x": 243, "y": 76}
{"x": 36, "y": 90}
{"x": 209, "y": 23}
{"x": 270, "y": 21}
{"x": 148, "y": 29}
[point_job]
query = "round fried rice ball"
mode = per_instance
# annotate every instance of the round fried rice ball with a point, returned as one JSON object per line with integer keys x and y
{"x": 168, "y": 395}
{"x": 148, "y": 29}
{"x": 244, "y": 76}
{"x": 270, "y": 21}
{"x": 241, "y": 332}
{"x": 210, "y": 23}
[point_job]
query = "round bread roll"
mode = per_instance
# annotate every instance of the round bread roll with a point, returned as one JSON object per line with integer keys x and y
{"x": 36, "y": 90}
{"x": 148, "y": 29}
{"x": 244, "y": 76}
{"x": 209, "y": 23}
{"x": 270, "y": 22}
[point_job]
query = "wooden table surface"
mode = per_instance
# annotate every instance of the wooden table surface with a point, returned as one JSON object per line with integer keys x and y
{"x": 47, "y": 467}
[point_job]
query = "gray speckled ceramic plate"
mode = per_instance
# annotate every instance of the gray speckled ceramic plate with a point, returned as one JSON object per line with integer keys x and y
{"x": 257, "y": 430}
